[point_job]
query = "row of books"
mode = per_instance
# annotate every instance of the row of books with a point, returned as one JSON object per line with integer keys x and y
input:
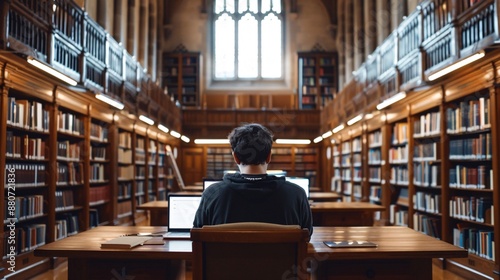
{"x": 69, "y": 123}
{"x": 398, "y": 215}
{"x": 399, "y": 134}
{"x": 66, "y": 225}
{"x": 99, "y": 194}
{"x": 139, "y": 144}
{"x": 98, "y": 153}
{"x": 471, "y": 115}
{"x": 426, "y": 224}
{"x": 478, "y": 148}
{"x": 64, "y": 200}
{"x": 93, "y": 218}
{"x": 124, "y": 156}
{"x": 124, "y": 208}
{"x": 356, "y": 145}
{"x": 476, "y": 241}
{"x": 375, "y": 174}
{"x": 27, "y": 238}
{"x": 427, "y": 202}
{"x": 399, "y": 175}
{"x": 398, "y": 155}
{"x": 326, "y": 81}
{"x": 98, "y": 132}
{"x": 126, "y": 172}
{"x": 375, "y": 193}
{"x": 375, "y": 139}
{"x": 125, "y": 140}
{"x": 426, "y": 151}
{"x": 426, "y": 174}
{"x": 479, "y": 209}
{"x": 27, "y": 114}
{"x": 427, "y": 125}
{"x": 480, "y": 177}
{"x": 25, "y": 147}
{"x": 140, "y": 156}
{"x": 124, "y": 190}
{"x": 98, "y": 173}
{"x": 374, "y": 156}
{"x": 28, "y": 174}
{"x": 68, "y": 151}
{"x": 70, "y": 173}
{"x": 25, "y": 207}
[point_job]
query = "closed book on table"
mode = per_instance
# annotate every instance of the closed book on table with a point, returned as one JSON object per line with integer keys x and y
{"x": 125, "y": 242}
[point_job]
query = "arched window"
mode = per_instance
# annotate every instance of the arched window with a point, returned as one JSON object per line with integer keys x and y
{"x": 247, "y": 40}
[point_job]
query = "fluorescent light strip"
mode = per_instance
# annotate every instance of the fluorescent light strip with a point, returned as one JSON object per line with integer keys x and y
{"x": 51, "y": 71}
{"x": 456, "y": 66}
{"x": 175, "y": 134}
{"x": 146, "y": 120}
{"x": 163, "y": 128}
{"x": 211, "y": 141}
{"x": 327, "y": 134}
{"x": 355, "y": 119}
{"x": 185, "y": 138}
{"x": 293, "y": 141}
{"x": 338, "y": 128}
{"x": 391, "y": 100}
{"x": 318, "y": 139}
{"x": 106, "y": 99}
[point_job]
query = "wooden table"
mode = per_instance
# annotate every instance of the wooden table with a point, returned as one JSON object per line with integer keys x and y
{"x": 344, "y": 213}
{"x": 402, "y": 253}
{"x": 158, "y": 212}
{"x": 324, "y": 196}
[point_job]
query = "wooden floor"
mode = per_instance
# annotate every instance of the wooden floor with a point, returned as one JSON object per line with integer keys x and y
{"x": 61, "y": 273}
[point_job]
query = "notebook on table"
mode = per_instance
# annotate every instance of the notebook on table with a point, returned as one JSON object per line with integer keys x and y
{"x": 181, "y": 211}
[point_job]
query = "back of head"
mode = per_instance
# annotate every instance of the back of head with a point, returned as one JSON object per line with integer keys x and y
{"x": 251, "y": 143}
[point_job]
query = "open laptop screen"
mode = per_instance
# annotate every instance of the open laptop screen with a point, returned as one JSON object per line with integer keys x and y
{"x": 302, "y": 182}
{"x": 208, "y": 182}
{"x": 181, "y": 211}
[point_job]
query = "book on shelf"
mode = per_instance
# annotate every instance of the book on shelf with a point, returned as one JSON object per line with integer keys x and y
{"x": 125, "y": 242}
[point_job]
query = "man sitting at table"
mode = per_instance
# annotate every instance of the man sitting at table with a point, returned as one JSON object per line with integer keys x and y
{"x": 252, "y": 195}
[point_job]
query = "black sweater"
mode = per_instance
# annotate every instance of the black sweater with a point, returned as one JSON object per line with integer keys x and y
{"x": 254, "y": 198}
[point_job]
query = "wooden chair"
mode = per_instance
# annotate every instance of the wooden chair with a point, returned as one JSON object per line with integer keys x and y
{"x": 249, "y": 251}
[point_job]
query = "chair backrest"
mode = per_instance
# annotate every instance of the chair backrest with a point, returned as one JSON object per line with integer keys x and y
{"x": 249, "y": 251}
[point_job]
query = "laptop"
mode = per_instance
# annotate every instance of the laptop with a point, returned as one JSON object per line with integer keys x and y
{"x": 208, "y": 182}
{"x": 181, "y": 211}
{"x": 301, "y": 181}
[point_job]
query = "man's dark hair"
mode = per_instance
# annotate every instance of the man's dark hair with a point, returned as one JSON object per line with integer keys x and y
{"x": 251, "y": 143}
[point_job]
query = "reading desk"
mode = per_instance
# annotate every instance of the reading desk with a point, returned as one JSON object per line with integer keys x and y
{"x": 326, "y": 213}
{"x": 324, "y": 196}
{"x": 344, "y": 213}
{"x": 402, "y": 253}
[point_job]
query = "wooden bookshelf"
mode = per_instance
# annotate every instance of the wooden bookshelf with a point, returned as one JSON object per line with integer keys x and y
{"x": 318, "y": 79}
{"x": 72, "y": 157}
{"x": 181, "y": 76}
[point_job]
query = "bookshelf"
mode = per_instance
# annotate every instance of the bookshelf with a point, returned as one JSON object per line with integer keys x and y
{"x": 375, "y": 169}
{"x": 126, "y": 173}
{"x": 337, "y": 170}
{"x": 317, "y": 80}
{"x": 181, "y": 76}
{"x": 218, "y": 160}
{"x": 399, "y": 173}
{"x": 346, "y": 170}
{"x": 426, "y": 157}
{"x": 100, "y": 205}
{"x": 296, "y": 161}
{"x": 470, "y": 175}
